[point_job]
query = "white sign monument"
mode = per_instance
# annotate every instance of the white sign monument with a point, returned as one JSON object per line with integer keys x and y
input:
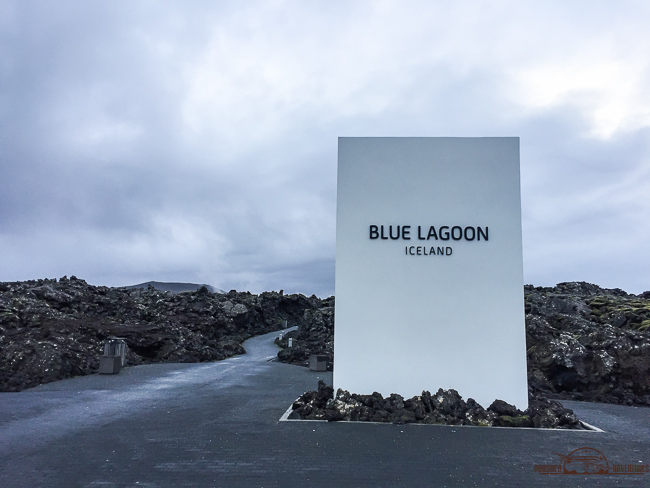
{"x": 429, "y": 280}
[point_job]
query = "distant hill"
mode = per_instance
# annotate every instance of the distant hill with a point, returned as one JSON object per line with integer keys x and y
{"x": 174, "y": 287}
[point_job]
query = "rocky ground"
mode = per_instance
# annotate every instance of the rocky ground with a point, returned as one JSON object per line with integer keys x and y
{"x": 588, "y": 343}
{"x": 315, "y": 335}
{"x": 445, "y": 407}
{"x": 55, "y": 329}
{"x": 583, "y": 342}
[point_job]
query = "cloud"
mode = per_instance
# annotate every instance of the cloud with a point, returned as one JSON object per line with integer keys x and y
{"x": 197, "y": 142}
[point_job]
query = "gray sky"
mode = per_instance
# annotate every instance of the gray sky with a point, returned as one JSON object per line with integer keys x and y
{"x": 197, "y": 141}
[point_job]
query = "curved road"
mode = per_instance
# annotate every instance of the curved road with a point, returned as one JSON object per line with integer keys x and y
{"x": 217, "y": 425}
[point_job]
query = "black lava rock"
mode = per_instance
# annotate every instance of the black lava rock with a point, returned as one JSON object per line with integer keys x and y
{"x": 55, "y": 329}
{"x": 445, "y": 407}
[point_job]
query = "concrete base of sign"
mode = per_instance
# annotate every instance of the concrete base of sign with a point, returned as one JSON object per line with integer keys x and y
{"x": 111, "y": 365}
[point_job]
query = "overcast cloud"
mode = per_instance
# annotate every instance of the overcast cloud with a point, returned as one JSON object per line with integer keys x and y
{"x": 197, "y": 141}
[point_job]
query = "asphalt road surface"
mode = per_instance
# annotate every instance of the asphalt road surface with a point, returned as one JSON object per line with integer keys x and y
{"x": 217, "y": 425}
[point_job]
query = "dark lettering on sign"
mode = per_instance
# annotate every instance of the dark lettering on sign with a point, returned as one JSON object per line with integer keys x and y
{"x": 443, "y": 233}
{"x": 431, "y": 251}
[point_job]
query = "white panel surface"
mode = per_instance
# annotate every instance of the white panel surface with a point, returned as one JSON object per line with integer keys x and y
{"x": 407, "y": 322}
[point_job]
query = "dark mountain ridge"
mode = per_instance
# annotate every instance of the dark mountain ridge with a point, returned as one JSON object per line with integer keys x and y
{"x": 174, "y": 287}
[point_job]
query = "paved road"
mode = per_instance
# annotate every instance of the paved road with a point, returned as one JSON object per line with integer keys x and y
{"x": 217, "y": 425}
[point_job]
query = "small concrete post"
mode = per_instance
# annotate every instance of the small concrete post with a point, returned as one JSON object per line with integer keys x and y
{"x": 114, "y": 357}
{"x": 317, "y": 362}
{"x": 290, "y": 342}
